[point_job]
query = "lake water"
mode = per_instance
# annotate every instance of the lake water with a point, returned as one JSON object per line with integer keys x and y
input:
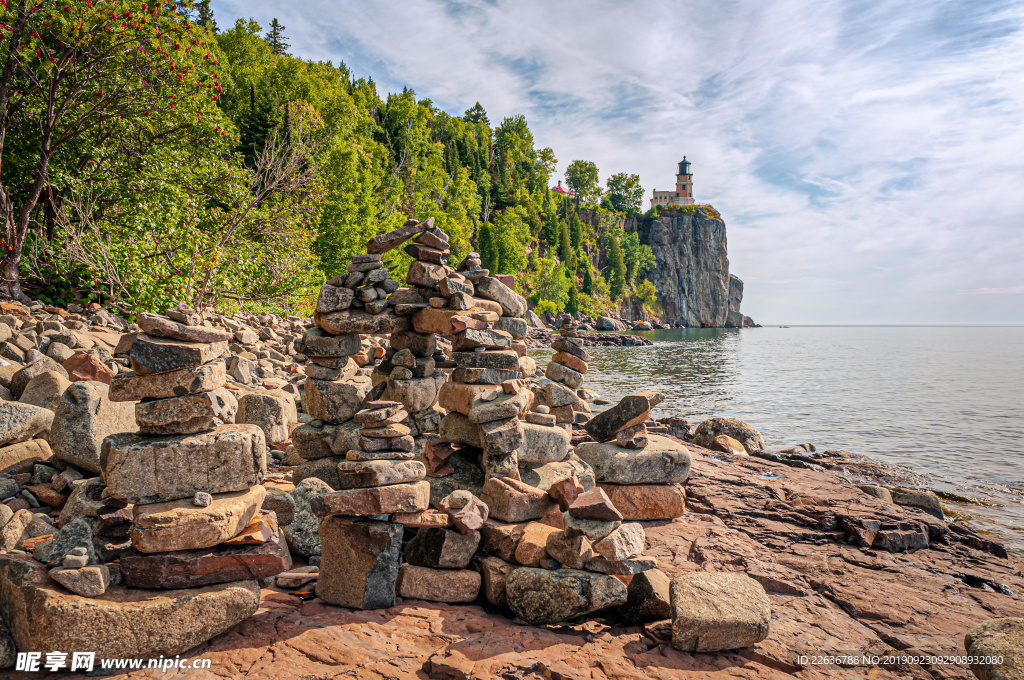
{"x": 945, "y": 401}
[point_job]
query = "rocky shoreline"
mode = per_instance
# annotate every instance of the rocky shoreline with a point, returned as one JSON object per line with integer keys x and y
{"x": 542, "y": 337}
{"x": 398, "y": 490}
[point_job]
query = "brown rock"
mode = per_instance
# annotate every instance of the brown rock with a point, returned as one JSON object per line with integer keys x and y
{"x": 128, "y": 386}
{"x": 634, "y": 437}
{"x": 497, "y": 538}
{"x": 428, "y": 519}
{"x": 712, "y": 612}
{"x": 16, "y": 455}
{"x": 186, "y": 415}
{"x": 726, "y": 444}
{"x": 470, "y": 517}
{"x": 364, "y": 474}
{"x": 494, "y": 571}
{"x": 442, "y": 548}
{"x": 360, "y": 561}
{"x": 565, "y": 491}
{"x": 594, "y": 504}
{"x": 438, "y": 585}
{"x": 181, "y": 525}
{"x": 150, "y": 355}
{"x": 459, "y": 397}
{"x": 351, "y": 321}
{"x": 573, "y": 552}
{"x": 396, "y": 498}
{"x": 570, "y": 361}
{"x": 84, "y": 366}
{"x": 648, "y": 597}
{"x": 532, "y": 548}
{"x": 385, "y": 242}
{"x": 563, "y": 374}
{"x": 630, "y": 411}
{"x": 647, "y": 501}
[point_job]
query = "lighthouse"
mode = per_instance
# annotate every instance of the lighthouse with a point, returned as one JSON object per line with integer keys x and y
{"x": 683, "y": 194}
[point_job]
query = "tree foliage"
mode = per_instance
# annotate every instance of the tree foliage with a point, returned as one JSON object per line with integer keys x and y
{"x": 625, "y": 192}
{"x": 581, "y": 177}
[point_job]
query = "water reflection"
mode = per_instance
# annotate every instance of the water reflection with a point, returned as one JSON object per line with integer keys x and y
{"x": 944, "y": 401}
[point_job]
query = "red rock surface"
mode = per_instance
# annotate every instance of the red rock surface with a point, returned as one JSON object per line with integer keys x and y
{"x": 780, "y": 525}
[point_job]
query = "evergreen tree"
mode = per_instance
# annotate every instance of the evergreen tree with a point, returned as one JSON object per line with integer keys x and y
{"x": 263, "y": 118}
{"x": 588, "y": 281}
{"x": 573, "y": 304}
{"x": 565, "y": 251}
{"x": 205, "y": 18}
{"x": 275, "y": 37}
{"x": 616, "y": 269}
{"x": 575, "y": 231}
{"x": 551, "y": 229}
{"x": 476, "y": 114}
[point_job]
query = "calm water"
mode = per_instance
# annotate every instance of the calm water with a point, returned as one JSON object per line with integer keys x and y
{"x": 947, "y": 402}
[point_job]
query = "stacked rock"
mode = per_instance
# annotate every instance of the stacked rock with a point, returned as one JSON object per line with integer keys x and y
{"x": 437, "y": 557}
{"x": 193, "y": 476}
{"x": 360, "y": 541}
{"x": 471, "y": 269}
{"x": 566, "y": 370}
{"x": 640, "y": 472}
{"x": 366, "y": 286}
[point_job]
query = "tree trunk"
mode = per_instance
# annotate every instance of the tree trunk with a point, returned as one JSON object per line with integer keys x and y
{"x": 10, "y": 276}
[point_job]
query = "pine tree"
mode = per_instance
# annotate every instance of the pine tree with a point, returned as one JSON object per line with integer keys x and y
{"x": 573, "y": 304}
{"x": 588, "y": 281}
{"x": 476, "y": 115}
{"x": 206, "y": 19}
{"x": 551, "y": 229}
{"x": 575, "y": 230}
{"x": 616, "y": 269}
{"x": 263, "y": 118}
{"x": 565, "y": 251}
{"x": 275, "y": 36}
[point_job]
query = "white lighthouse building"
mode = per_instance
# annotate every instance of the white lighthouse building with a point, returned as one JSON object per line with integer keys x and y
{"x": 683, "y": 193}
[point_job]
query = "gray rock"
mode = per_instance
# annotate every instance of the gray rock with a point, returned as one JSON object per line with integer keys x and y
{"x": 921, "y": 499}
{"x": 335, "y": 401}
{"x": 999, "y": 644}
{"x": 83, "y": 417}
{"x": 128, "y": 386}
{"x": 44, "y": 389}
{"x": 628, "y": 540}
{"x": 77, "y": 534}
{"x": 742, "y": 432}
{"x": 317, "y": 342}
{"x": 716, "y": 611}
{"x": 360, "y": 562}
{"x": 270, "y": 411}
{"x": 442, "y": 548}
{"x": 662, "y": 462}
{"x": 512, "y": 304}
{"x": 161, "y": 326}
{"x": 151, "y": 355}
{"x": 543, "y": 444}
{"x": 468, "y": 475}
{"x": 540, "y": 596}
{"x": 543, "y": 475}
{"x": 320, "y": 441}
{"x": 648, "y": 597}
{"x": 188, "y": 414}
{"x": 20, "y": 422}
{"x": 20, "y": 380}
{"x": 302, "y": 534}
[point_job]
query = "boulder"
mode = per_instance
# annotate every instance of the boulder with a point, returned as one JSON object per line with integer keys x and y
{"x": 647, "y": 502}
{"x": 83, "y": 417}
{"x": 540, "y": 596}
{"x": 543, "y": 475}
{"x": 351, "y": 321}
{"x": 490, "y": 288}
{"x": 335, "y": 401}
{"x": 16, "y": 455}
{"x": 140, "y": 469}
{"x": 122, "y": 622}
{"x": 717, "y": 611}
{"x": 744, "y": 433}
{"x": 662, "y": 462}
{"x": 360, "y": 562}
{"x": 20, "y": 422}
{"x": 44, "y": 389}
{"x": 186, "y": 415}
{"x": 998, "y": 648}
{"x": 271, "y": 411}
{"x": 151, "y": 355}
{"x": 21, "y": 378}
{"x": 318, "y": 343}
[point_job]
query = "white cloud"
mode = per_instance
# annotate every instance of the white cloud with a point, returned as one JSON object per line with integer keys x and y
{"x": 867, "y": 157}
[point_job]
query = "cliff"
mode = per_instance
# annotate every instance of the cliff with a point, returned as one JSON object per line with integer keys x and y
{"x": 692, "y": 277}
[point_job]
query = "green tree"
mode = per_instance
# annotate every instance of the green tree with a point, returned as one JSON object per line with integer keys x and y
{"x": 205, "y": 16}
{"x": 647, "y": 295}
{"x": 581, "y": 177}
{"x": 476, "y": 114}
{"x": 588, "y": 280}
{"x": 625, "y": 192}
{"x": 575, "y": 231}
{"x": 264, "y": 117}
{"x": 616, "y": 269}
{"x": 638, "y": 256}
{"x": 502, "y": 244}
{"x": 76, "y": 77}
{"x": 275, "y": 37}
{"x": 566, "y": 253}
{"x": 549, "y": 282}
{"x": 572, "y": 304}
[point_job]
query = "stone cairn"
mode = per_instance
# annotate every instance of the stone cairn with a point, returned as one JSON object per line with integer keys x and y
{"x": 193, "y": 477}
{"x": 565, "y": 371}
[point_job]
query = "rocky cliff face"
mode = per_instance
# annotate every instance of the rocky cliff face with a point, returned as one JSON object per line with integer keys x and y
{"x": 692, "y": 276}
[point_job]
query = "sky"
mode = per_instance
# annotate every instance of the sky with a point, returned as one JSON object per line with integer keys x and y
{"x": 867, "y": 157}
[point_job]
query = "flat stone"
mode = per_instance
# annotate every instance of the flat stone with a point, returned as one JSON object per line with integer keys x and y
{"x": 540, "y": 596}
{"x": 570, "y": 361}
{"x": 260, "y": 529}
{"x": 428, "y": 519}
{"x": 414, "y": 497}
{"x": 573, "y": 552}
{"x": 442, "y": 548}
{"x": 543, "y": 475}
{"x": 438, "y": 585}
{"x": 161, "y": 326}
{"x": 628, "y": 540}
{"x": 716, "y": 611}
{"x": 625, "y": 567}
{"x": 150, "y": 355}
{"x": 515, "y": 327}
{"x": 312, "y": 442}
{"x": 532, "y": 548}
{"x": 188, "y": 414}
{"x": 87, "y": 581}
{"x": 180, "y": 525}
{"x": 505, "y": 360}
{"x": 128, "y": 386}
{"x": 543, "y": 444}
{"x": 404, "y": 443}
{"x": 426, "y": 253}
{"x": 459, "y": 397}
{"x": 512, "y": 304}
{"x": 662, "y": 462}
{"x": 631, "y": 410}
{"x": 594, "y": 504}
{"x": 510, "y": 500}
{"x": 471, "y": 338}
{"x": 335, "y": 401}
{"x": 333, "y": 299}
{"x": 19, "y": 422}
{"x": 593, "y": 529}
{"x": 193, "y": 568}
{"x": 385, "y": 242}
{"x": 83, "y": 417}
{"x": 360, "y": 561}
{"x": 647, "y": 502}
{"x": 435, "y": 320}
{"x": 457, "y": 427}
{"x": 568, "y": 345}
{"x": 563, "y": 374}
{"x": 17, "y": 455}
{"x": 385, "y": 430}
{"x": 388, "y": 413}
{"x": 420, "y": 344}
{"x": 141, "y": 469}
{"x": 501, "y": 407}
{"x": 357, "y": 321}
{"x": 483, "y": 376}
{"x": 317, "y": 342}
{"x": 998, "y": 648}
{"x": 385, "y": 453}
{"x": 123, "y": 622}
{"x": 364, "y": 474}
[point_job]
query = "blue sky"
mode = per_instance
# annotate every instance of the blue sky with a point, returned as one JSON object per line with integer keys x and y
{"x": 868, "y": 157}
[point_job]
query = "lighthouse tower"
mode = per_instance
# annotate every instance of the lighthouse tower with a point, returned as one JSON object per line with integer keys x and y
{"x": 683, "y": 194}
